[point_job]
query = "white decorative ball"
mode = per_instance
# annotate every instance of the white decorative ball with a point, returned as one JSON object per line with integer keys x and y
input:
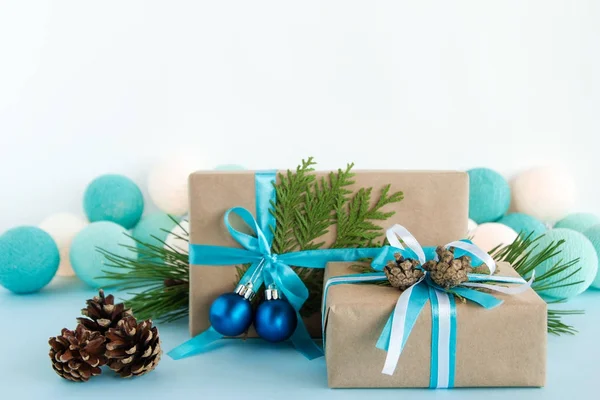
{"x": 168, "y": 182}
{"x": 471, "y": 226}
{"x": 492, "y": 234}
{"x": 174, "y": 240}
{"x": 546, "y": 193}
{"x": 63, "y": 227}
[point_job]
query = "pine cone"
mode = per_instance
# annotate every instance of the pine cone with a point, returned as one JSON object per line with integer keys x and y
{"x": 102, "y": 313}
{"x": 402, "y": 273}
{"x": 448, "y": 271}
{"x": 77, "y": 355}
{"x": 133, "y": 348}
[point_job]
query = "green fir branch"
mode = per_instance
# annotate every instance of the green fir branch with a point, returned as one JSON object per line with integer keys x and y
{"x": 525, "y": 256}
{"x": 156, "y": 277}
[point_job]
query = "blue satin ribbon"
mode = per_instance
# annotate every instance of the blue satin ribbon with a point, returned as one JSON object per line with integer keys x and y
{"x": 266, "y": 267}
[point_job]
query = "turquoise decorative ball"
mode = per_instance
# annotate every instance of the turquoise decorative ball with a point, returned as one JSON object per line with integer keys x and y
{"x": 153, "y": 226}
{"x": 593, "y": 234}
{"x": 87, "y": 262}
{"x": 489, "y": 195}
{"x": 523, "y": 223}
{"x": 29, "y": 259}
{"x": 114, "y": 198}
{"x": 576, "y": 246}
{"x": 579, "y": 222}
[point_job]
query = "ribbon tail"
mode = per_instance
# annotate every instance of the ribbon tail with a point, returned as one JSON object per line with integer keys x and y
{"x": 407, "y": 310}
{"x": 195, "y": 345}
{"x": 303, "y": 342}
{"x": 443, "y": 339}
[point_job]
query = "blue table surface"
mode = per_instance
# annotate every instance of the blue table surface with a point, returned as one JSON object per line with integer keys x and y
{"x": 247, "y": 369}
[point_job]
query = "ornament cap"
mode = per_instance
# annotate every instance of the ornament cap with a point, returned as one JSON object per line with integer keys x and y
{"x": 272, "y": 293}
{"x": 246, "y": 291}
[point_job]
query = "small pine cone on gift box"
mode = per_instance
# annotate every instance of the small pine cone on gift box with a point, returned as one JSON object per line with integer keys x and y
{"x": 102, "y": 313}
{"x": 448, "y": 271}
{"x": 133, "y": 348}
{"x": 402, "y": 273}
{"x": 77, "y": 355}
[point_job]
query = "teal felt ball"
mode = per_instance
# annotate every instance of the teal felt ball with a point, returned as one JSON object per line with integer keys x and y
{"x": 29, "y": 259}
{"x": 593, "y": 234}
{"x": 489, "y": 195}
{"x": 579, "y": 222}
{"x": 576, "y": 245}
{"x": 153, "y": 229}
{"x": 114, "y": 198}
{"x": 523, "y": 223}
{"x": 87, "y": 262}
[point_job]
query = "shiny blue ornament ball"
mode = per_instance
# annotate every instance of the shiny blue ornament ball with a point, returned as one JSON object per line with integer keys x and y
{"x": 114, "y": 198}
{"x": 489, "y": 195}
{"x": 579, "y": 222}
{"x": 230, "y": 314}
{"x": 29, "y": 259}
{"x": 154, "y": 229}
{"x": 275, "y": 320}
{"x": 87, "y": 262}
{"x": 576, "y": 246}
{"x": 593, "y": 234}
{"x": 523, "y": 223}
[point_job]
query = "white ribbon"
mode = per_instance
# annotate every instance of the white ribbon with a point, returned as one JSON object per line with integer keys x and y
{"x": 398, "y": 231}
{"x": 477, "y": 252}
{"x": 503, "y": 289}
{"x": 397, "y": 333}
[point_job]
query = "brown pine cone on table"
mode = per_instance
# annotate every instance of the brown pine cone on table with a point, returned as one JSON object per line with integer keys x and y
{"x": 448, "y": 271}
{"x": 402, "y": 273}
{"x": 133, "y": 348}
{"x": 77, "y": 355}
{"x": 102, "y": 313}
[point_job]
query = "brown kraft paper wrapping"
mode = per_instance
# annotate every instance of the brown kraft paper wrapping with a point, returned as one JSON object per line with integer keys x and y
{"x": 431, "y": 199}
{"x": 503, "y": 346}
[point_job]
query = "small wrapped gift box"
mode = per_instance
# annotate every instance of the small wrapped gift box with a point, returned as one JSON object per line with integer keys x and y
{"x": 430, "y": 199}
{"x": 502, "y": 346}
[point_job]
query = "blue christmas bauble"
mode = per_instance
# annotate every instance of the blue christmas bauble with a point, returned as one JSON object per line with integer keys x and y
{"x": 87, "y": 262}
{"x": 275, "y": 320}
{"x": 153, "y": 229}
{"x": 489, "y": 195}
{"x": 29, "y": 259}
{"x": 230, "y": 314}
{"x": 579, "y": 222}
{"x": 523, "y": 223}
{"x": 114, "y": 198}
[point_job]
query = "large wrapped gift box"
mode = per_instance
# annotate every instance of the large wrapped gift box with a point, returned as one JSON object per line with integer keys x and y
{"x": 434, "y": 208}
{"x": 503, "y": 346}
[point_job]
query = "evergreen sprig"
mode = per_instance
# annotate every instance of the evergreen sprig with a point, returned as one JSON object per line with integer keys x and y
{"x": 308, "y": 208}
{"x": 157, "y": 275}
{"x": 525, "y": 256}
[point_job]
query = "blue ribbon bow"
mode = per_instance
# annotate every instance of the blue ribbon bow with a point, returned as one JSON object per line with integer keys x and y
{"x": 266, "y": 267}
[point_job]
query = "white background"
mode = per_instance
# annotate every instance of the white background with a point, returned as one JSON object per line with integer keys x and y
{"x": 88, "y": 88}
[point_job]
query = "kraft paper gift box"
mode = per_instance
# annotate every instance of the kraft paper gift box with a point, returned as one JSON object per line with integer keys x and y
{"x": 502, "y": 346}
{"x": 431, "y": 199}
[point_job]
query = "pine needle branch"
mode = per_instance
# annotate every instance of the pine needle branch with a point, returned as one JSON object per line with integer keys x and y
{"x": 525, "y": 256}
{"x": 157, "y": 277}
